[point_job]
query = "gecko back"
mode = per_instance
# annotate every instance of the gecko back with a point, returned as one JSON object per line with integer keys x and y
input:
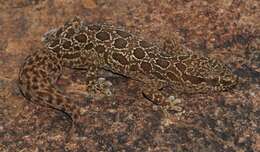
{"x": 107, "y": 47}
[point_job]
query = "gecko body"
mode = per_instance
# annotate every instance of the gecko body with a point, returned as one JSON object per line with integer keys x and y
{"x": 79, "y": 45}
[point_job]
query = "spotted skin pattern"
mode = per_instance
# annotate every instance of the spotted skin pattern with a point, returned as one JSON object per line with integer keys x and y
{"x": 37, "y": 80}
{"x": 79, "y": 45}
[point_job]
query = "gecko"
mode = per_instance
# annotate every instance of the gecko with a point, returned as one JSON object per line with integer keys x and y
{"x": 92, "y": 47}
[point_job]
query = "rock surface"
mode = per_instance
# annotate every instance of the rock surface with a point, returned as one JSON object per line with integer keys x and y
{"x": 228, "y": 30}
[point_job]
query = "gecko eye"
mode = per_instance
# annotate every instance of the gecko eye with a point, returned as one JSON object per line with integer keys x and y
{"x": 213, "y": 82}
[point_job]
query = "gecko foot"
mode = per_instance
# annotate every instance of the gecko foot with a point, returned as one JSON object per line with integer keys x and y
{"x": 174, "y": 104}
{"x": 101, "y": 86}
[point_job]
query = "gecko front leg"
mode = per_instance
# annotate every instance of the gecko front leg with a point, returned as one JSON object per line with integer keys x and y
{"x": 155, "y": 92}
{"x": 94, "y": 83}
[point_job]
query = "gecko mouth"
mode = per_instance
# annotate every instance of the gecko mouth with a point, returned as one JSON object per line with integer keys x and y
{"x": 228, "y": 84}
{"x": 219, "y": 84}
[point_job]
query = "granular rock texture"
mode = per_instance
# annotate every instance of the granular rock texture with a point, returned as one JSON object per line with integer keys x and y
{"x": 228, "y": 31}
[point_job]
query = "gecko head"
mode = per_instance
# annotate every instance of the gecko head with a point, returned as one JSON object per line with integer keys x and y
{"x": 204, "y": 74}
{"x": 221, "y": 77}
